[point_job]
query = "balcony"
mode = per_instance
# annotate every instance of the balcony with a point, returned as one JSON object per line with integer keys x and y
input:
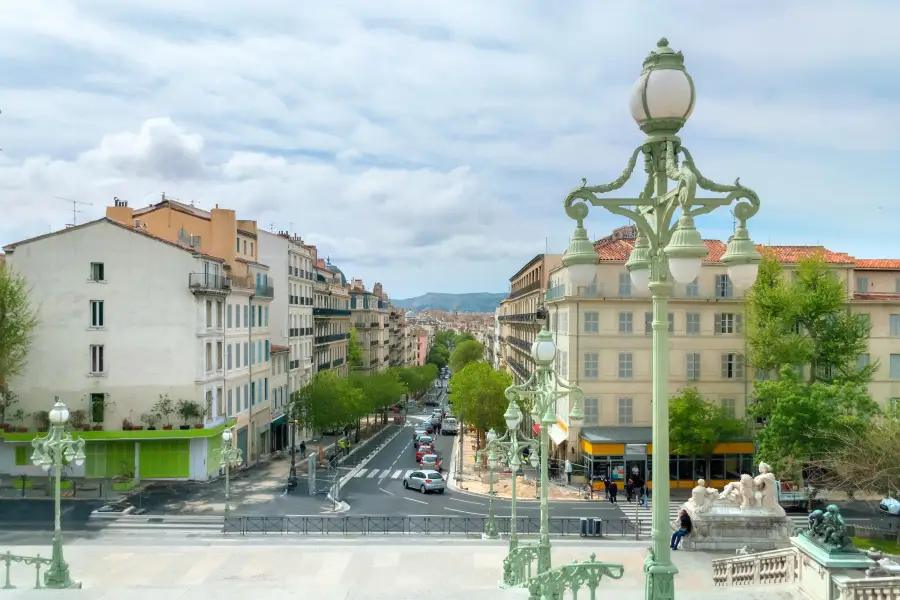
{"x": 337, "y": 362}
{"x": 264, "y": 291}
{"x": 373, "y": 343}
{"x": 330, "y": 312}
{"x": 517, "y": 368}
{"x": 323, "y": 366}
{"x": 374, "y": 324}
{"x": 204, "y": 283}
{"x": 519, "y": 343}
{"x": 334, "y": 337}
{"x": 525, "y": 290}
{"x": 519, "y": 318}
{"x": 721, "y": 292}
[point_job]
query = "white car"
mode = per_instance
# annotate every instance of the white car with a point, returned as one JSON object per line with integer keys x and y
{"x": 450, "y": 426}
{"x": 890, "y": 506}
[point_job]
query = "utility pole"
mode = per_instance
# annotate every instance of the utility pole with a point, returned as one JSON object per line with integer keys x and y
{"x": 75, "y": 210}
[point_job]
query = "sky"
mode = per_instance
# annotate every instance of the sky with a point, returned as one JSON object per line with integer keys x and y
{"x": 429, "y": 145}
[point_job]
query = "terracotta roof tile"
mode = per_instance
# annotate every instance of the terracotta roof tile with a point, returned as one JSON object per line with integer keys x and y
{"x": 877, "y": 263}
{"x": 276, "y": 348}
{"x": 617, "y": 250}
{"x": 878, "y": 297}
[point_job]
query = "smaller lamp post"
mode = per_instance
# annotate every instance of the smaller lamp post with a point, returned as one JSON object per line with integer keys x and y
{"x": 230, "y": 456}
{"x": 490, "y": 528}
{"x": 49, "y": 452}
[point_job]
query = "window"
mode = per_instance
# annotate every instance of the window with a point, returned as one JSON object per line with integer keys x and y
{"x": 209, "y": 357}
{"x": 862, "y": 284}
{"x": 862, "y": 362}
{"x": 237, "y": 244}
{"x": 245, "y": 246}
{"x": 692, "y": 290}
{"x": 671, "y": 322}
{"x": 626, "y": 322}
{"x": 692, "y": 366}
{"x": 897, "y": 286}
{"x": 219, "y": 356}
{"x": 209, "y": 315}
{"x": 591, "y": 411}
{"x": 591, "y": 365}
{"x": 253, "y": 393}
{"x": 626, "y": 411}
{"x": 219, "y": 315}
{"x": 728, "y": 406}
{"x": 267, "y": 316}
{"x": 692, "y": 323}
{"x": 98, "y": 272}
{"x": 727, "y": 323}
{"x": 98, "y": 408}
{"x": 724, "y": 288}
{"x": 259, "y": 351}
{"x": 732, "y": 366}
{"x": 229, "y": 321}
{"x": 895, "y": 366}
{"x": 97, "y": 313}
{"x": 252, "y": 317}
{"x": 268, "y": 354}
{"x": 246, "y": 315}
{"x": 228, "y": 362}
{"x": 266, "y": 387}
{"x": 648, "y": 323}
{"x": 97, "y": 366}
{"x": 230, "y": 405}
{"x": 246, "y": 354}
{"x": 895, "y": 325}
{"x": 592, "y": 322}
{"x": 237, "y": 399}
{"x": 626, "y": 365}
{"x": 251, "y": 248}
{"x": 625, "y": 284}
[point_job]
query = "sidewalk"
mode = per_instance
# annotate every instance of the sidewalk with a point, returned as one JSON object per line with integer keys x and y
{"x": 475, "y": 478}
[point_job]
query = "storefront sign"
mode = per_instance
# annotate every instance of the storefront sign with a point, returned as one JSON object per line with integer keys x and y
{"x": 635, "y": 449}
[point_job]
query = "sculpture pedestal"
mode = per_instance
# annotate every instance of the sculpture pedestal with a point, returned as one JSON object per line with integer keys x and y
{"x": 731, "y": 527}
{"x": 818, "y": 566}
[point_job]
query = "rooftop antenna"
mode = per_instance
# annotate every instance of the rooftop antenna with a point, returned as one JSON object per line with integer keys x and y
{"x": 75, "y": 210}
{"x": 271, "y": 225}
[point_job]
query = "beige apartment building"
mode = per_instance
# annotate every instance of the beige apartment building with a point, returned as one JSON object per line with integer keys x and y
{"x": 370, "y": 317}
{"x": 331, "y": 317}
{"x": 401, "y": 347}
{"x": 604, "y": 344}
{"x": 518, "y": 326}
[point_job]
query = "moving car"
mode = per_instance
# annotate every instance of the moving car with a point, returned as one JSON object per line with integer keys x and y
{"x": 890, "y": 506}
{"x": 450, "y": 426}
{"x": 424, "y": 480}
{"x": 422, "y": 451}
{"x": 432, "y": 461}
{"x": 425, "y": 440}
{"x": 420, "y": 430}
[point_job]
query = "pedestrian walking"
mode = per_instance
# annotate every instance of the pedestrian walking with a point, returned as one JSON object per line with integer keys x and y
{"x": 629, "y": 490}
{"x": 683, "y": 530}
{"x": 303, "y": 449}
{"x": 606, "y": 483}
{"x": 568, "y": 471}
{"x": 613, "y": 490}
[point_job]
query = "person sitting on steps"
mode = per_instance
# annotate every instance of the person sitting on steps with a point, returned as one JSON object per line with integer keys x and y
{"x": 684, "y": 529}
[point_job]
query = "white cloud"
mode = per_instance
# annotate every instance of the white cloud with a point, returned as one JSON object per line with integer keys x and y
{"x": 429, "y": 145}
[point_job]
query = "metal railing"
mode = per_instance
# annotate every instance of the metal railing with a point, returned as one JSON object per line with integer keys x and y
{"x": 264, "y": 291}
{"x": 32, "y": 561}
{"x": 330, "y": 312}
{"x": 208, "y": 282}
{"x": 417, "y": 525}
{"x": 334, "y": 337}
{"x": 528, "y": 288}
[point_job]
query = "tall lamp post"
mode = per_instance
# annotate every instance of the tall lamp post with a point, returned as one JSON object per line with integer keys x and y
{"x": 665, "y": 249}
{"x": 230, "y": 456}
{"x": 545, "y": 388}
{"x": 49, "y": 451}
{"x": 490, "y": 527}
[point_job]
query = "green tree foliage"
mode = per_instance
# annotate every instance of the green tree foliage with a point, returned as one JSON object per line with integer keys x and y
{"x": 380, "y": 391}
{"x": 18, "y": 320}
{"x": 803, "y": 420}
{"x": 416, "y": 379}
{"x": 696, "y": 426}
{"x": 328, "y": 402}
{"x": 466, "y": 352}
{"x": 478, "y": 394}
{"x": 438, "y": 355}
{"x": 797, "y": 326}
{"x": 354, "y": 350}
{"x": 463, "y": 337}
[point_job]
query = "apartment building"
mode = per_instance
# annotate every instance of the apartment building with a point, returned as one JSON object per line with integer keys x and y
{"x": 331, "y": 318}
{"x": 401, "y": 347}
{"x": 291, "y": 268}
{"x": 370, "y": 317}
{"x": 127, "y": 318}
{"x": 279, "y": 398}
{"x": 424, "y": 337}
{"x": 518, "y": 326}
{"x": 603, "y": 335}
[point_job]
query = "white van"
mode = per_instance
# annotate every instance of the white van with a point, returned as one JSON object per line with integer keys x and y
{"x": 450, "y": 426}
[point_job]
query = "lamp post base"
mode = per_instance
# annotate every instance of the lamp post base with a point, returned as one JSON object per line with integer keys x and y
{"x": 490, "y": 532}
{"x": 57, "y": 576}
{"x": 659, "y": 580}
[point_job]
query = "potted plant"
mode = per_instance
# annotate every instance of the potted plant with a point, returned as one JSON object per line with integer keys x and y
{"x": 7, "y": 399}
{"x": 42, "y": 420}
{"x": 151, "y": 419}
{"x": 187, "y": 410}
{"x": 164, "y": 409}
{"x": 125, "y": 480}
{"x": 78, "y": 419}
{"x": 19, "y": 417}
{"x": 127, "y": 425}
{"x": 97, "y": 425}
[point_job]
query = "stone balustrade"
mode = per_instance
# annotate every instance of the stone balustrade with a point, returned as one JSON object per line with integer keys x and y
{"x": 870, "y": 588}
{"x": 762, "y": 568}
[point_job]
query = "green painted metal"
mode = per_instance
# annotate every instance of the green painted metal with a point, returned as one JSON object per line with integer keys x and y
{"x": 553, "y": 584}
{"x": 109, "y": 459}
{"x": 660, "y": 237}
{"x": 229, "y": 456}
{"x": 517, "y": 566}
{"x": 165, "y": 459}
{"x": 143, "y": 434}
{"x": 213, "y": 453}
{"x": 36, "y": 561}
{"x": 663, "y": 58}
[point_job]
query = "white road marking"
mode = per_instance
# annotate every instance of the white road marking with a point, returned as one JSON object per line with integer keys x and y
{"x": 372, "y": 474}
{"x": 396, "y": 474}
{"x": 467, "y": 501}
{"x": 360, "y": 473}
{"x": 408, "y": 472}
{"x": 387, "y": 492}
{"x": 414, "y": 500}
{"x": 465, "y": 512}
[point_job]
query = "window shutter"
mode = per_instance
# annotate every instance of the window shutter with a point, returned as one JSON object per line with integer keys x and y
{"x": 648, "y": 323}
{"x": 738, "y": 366}
{"x": 729, "y": 290}
{"x": 738, "y": 323}
{"x": 725, "y": 366}
{"x": 717, "y": 327}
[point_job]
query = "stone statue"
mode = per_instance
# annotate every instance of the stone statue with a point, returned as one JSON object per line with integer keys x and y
{"x": 766, "y": 488}
{"x": 828, "y": 529}
{"x": 701, "y": 497}
{"x": 739, "y": 492}
{"x": 815, "y": 522}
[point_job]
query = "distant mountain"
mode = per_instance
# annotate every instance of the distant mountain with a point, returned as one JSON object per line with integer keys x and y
{"x": 480, "y": 302}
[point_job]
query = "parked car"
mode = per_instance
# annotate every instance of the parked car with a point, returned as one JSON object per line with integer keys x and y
{"x": 450, "y": 426}
{"x": 426, "y": 440}
{"x": 432, "y": 461}
{"x": 422, "y": 451}
{"x": 419, "y": 431}
{"x": 425, "y": 481}
{"x": 890, "y": 506}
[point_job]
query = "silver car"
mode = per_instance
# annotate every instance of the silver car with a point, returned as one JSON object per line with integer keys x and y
{"x": 425, "y": 481}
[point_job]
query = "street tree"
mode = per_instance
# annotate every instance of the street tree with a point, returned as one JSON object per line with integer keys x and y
{"x": 466, "y": 352}
{"x": 697, "y": 426}
{"x": 808, "y": 347}
{"x": 354, "y": 350}
{"x": 478, "y": 395}
{"x": 438, "y": 355}
{"x": 327, "y": 402}
{"x": 18, "y": 321}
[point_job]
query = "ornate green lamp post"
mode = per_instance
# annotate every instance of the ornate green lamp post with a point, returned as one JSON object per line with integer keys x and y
{"x": 545, "y": 388}
{"x": 490, "y": 528}
{"x": 230, "y": 456}
{"x": 666, "y": 250}
{"x": 49, "y": 451}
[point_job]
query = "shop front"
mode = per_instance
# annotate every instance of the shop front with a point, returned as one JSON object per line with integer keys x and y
{"x": 620, "y": 452}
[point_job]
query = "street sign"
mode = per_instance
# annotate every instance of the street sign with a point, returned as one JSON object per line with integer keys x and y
{"x": 635, "y": 449}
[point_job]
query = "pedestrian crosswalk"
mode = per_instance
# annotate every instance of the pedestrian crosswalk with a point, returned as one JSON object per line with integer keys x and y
{"x": 382, "y": 473}
{"x": 643, "y": 514}
{"x": 108, "y": 524}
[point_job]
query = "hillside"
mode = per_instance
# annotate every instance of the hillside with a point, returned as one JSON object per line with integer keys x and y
{"x": 480, "y": 302}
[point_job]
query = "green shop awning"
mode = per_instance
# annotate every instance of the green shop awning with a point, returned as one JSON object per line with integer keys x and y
{"x": 279, "y": 421}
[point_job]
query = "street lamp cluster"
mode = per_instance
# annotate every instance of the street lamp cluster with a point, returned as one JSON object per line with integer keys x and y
{"x": 229, "y": 456}
{"x": 667, "y": 248}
